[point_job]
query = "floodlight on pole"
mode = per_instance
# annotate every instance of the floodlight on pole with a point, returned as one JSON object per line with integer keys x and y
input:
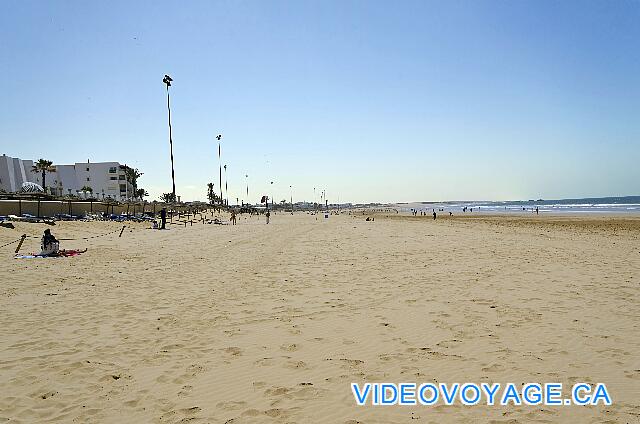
{"x": 167, "y": 80}
{"x": 226, "y": 187}
{"x": 219, "y": 137}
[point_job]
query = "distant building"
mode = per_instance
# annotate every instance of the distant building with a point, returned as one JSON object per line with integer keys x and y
{"x": 14, "y": 172}
{"x": 106, "y": 179}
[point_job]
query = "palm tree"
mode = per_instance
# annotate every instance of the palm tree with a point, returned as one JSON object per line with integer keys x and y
{"x": 211, "y": 195}
{"x": 42, "y": 165}
{"x": 141, "y": 193}
{"x": 132, "y": 176}
{"x": 168, "y": 198}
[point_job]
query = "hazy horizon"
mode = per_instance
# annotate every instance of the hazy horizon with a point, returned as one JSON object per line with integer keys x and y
{"x": 370, "y": 101}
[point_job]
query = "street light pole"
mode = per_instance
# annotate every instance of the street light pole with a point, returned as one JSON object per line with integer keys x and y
{"x": 167, "y": 80}
{"x": 226, "y": 187}
{"x": 246, "y": 176}
{"x": 291, "y": 193}
{"x": 219, "y": 137}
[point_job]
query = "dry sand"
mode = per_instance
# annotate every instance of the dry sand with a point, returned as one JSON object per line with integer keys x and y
{"x": 258, "y": 323}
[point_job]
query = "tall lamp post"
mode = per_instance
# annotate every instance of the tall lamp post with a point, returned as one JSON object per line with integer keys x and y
{"x": 226, "y": 187}
{"x": 272, "y": 195}
{"x": 167, "y": 80}
{"x": 246, "y": 176}
{"x": 291, "y": 193}
{"x": 219, "y": 137}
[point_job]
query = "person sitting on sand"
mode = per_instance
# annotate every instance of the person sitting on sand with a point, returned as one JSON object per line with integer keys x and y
{"x": 49, "y": 244}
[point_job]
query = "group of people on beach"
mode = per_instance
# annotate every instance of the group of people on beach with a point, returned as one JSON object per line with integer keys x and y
{"x": 414, "y": 212}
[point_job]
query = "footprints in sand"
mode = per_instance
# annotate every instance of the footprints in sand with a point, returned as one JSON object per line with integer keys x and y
{"x": 290, "y": 348}
{"x": 276, "y": 413}
{"x": 296, "y": 365}
{"x": 283, "y": 360}
{"x": 302, "y": 391}
{"x": 180, "y": 376}
{"x": 47, "y": 395}
{"x": 346, "y": 363}
{"x": 181, "y": 415}
{"x": 185, "y": 391}
{"x": 115, "y": 377}
{"x": 232, "y": 351}
{"x": 633, "y": 374}
{"x": 280, "y": 400}
{"x": 231, "y": 405}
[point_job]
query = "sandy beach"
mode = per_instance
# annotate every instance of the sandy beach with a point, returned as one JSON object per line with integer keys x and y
{"x": 259, "y": 323}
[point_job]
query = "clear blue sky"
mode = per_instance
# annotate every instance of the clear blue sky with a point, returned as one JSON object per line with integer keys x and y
{"x": 372, "y": 101}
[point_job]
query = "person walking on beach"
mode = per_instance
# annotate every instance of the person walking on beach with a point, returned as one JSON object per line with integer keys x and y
{"x": 163, "y": 218}
{"x": 268, "y": 214}
{"x": 536, "y": 210}
{"x": 233, "y": 217}
{"x": 434, "y": 215}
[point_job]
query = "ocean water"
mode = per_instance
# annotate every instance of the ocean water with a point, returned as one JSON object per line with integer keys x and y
{"x": 594, "y": 205}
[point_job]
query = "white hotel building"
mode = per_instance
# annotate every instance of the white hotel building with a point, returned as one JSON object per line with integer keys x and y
{"x": 107, "y": 179}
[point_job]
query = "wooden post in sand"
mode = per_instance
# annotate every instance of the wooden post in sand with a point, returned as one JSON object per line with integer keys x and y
{"x": 121, "y": 231}
{"x": 38, "y": 206}
{"x": 24, "y": 236}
